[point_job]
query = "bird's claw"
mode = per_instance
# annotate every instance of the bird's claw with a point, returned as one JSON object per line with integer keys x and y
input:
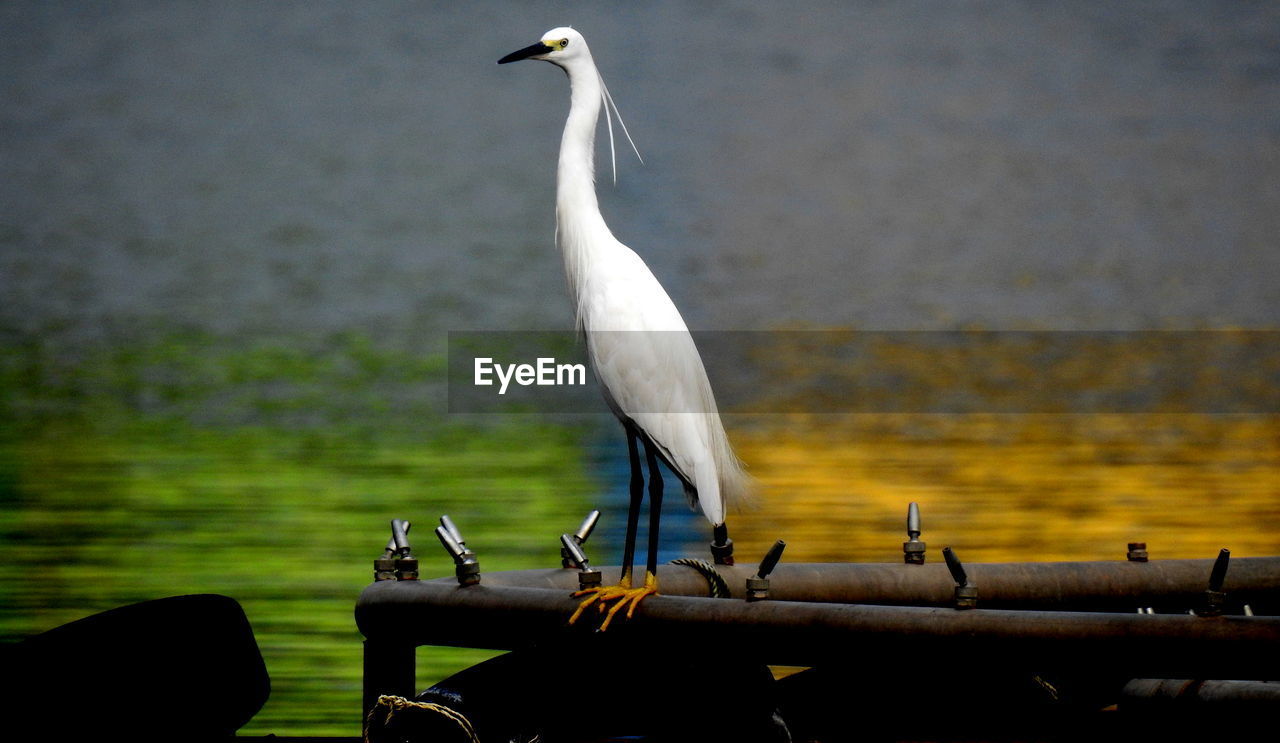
{"x": 623, "y": 594}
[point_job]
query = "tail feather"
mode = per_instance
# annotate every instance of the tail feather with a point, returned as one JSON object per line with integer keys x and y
{"x": 731, "y": 487}
{"x": 736, "y": 485}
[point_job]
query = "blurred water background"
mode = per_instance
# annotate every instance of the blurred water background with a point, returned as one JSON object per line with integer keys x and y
{"x": 234, "y": 235}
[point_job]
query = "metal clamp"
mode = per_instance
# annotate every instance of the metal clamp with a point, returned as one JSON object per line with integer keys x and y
{"x": 758, "y": 585}
{"x": 588, "y": 577}
{"x": 579, "y": 538}
{"x": 966, "y": 592}
{"x": 913, "y": 548}
{"x": 467, "y": 568}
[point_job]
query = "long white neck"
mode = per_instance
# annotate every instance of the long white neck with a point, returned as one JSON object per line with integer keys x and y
{"x": 580, "y": 229}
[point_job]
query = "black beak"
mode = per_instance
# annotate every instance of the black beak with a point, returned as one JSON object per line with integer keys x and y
{"x": 525, "y": 53}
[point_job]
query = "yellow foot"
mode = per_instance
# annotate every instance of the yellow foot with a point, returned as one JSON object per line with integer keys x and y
{"x": 622, "y": 593}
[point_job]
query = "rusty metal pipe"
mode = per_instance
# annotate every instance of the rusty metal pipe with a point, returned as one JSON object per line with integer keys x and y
{"x": 1077, "y": 586}
{"x": 1132, "y": 645}
{"x": 1191, "y": 694}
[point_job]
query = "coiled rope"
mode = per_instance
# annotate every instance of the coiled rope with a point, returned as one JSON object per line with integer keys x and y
{"x": 375, "y": 730}
{"x": 716, "y": 587}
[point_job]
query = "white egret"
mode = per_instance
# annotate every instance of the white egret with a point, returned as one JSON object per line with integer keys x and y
{"x": 638, "y": 344}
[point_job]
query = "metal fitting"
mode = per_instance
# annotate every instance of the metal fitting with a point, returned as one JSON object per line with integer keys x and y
{"x": 399, "y": 544}
{"x": 1137, "y": 552}
{"x": 587, "y": 576}
{"x": 579, "y": 537}
{"x": 466, "y": 567}
{"x": 404, "y": 527}
{"x": 913, "y": 548}
{"x": 1215, "y": 598}
{"x": 407, "y": 568}
{"x": 449, "y": 526}
{"x": 966, "y": 594}
{"x": 468, "y": 572}
{"x": 384, "y": 567}
{"x": 721, "y": 546}
{"x": 966, "y": 597}
{"x": 758, "y": 585}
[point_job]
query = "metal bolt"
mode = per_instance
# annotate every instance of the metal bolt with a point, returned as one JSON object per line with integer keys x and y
{"x": 449, "y": 526}
{"x": 1137, "y": 552}
{"x": 966, "y": 592}
{"x": 406, "y": 565}
{"x": 467, "y": 568}
{"x": 399, "y": 537}
{"x": 913, "y": 548}
{"x": 391, "y": 543}
{"x": 580, "y": 537}
{"x": 1215, "y": 597}
{"x": 451, "y": 545}
{"x": 588, "y": 525}
{"x": 384, "y": 567}
{"x": 587, "y": 577}
{"x": 468, "y": 572}
{"x": 758, "y": 585}
{"x": 1219, "y": 574}
{"x": 407, "y": 568}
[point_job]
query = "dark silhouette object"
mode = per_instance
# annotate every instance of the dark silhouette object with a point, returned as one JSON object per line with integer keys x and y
{"x": 552, "y": 695}
{"x": 178, "y": 668}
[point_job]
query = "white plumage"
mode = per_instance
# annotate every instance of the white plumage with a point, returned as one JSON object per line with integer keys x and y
{"x": 639, "y": 346}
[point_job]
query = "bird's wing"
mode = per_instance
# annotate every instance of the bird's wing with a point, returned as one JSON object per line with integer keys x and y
{"x": 645, "y": 359}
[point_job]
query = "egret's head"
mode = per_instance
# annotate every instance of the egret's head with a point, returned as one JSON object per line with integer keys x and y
{"x": 566, "y": 49}
{"x": 559, "y": 46}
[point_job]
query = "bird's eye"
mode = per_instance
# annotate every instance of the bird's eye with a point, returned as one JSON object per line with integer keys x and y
{"x": 564, "y": 43}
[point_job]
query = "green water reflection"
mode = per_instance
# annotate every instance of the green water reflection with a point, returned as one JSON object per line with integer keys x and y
{"x": 267, "y": 473}
{"x": 267, "y": 469}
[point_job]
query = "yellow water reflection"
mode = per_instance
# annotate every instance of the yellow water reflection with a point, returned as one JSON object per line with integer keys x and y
{"x": 1012, "y": 487}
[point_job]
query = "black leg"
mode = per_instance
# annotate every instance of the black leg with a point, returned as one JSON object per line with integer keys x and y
{"x": 633, "y": 512}
{"x": 655, "y": 508}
